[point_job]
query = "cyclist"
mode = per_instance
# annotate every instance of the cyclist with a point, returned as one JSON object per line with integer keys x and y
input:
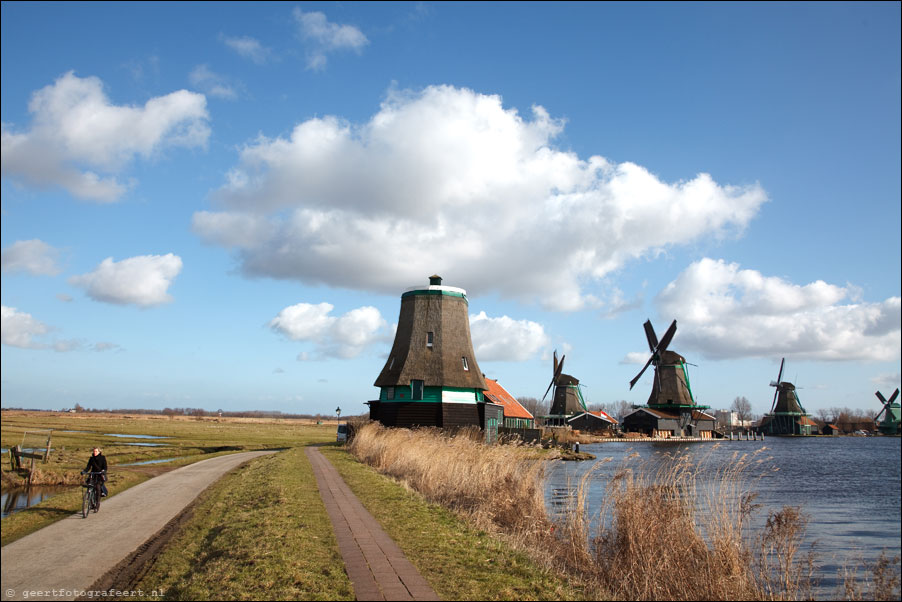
{"x": 97, "y": 463}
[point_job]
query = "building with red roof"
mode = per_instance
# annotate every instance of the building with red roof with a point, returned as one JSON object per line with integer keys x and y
{"x": 515, "y": 415}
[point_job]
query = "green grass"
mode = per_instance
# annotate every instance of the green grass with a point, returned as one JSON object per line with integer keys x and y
{"x": 260, "y": 533}
{"x": 460, "y": 562}
{"x": 188, "y": 440}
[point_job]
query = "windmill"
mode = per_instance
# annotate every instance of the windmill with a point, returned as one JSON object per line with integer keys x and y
{"x": 567, "y": 399}
{"x": 787, "y": 416}
{"x": 890, "y": 424}
{"x": 671, "y": 384}
{"x": 431, "y": 377}
{"x": 671, "y": 396}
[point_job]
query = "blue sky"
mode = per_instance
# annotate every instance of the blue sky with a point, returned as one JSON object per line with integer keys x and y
{"x": 218, "y": 205}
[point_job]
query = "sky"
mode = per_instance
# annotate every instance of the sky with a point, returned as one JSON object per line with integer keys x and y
{"x": 218, "y": 205}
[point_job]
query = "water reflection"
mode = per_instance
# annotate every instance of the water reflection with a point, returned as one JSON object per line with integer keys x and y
{"x": 14, "y": 500}
{"x": 161, "y": 461}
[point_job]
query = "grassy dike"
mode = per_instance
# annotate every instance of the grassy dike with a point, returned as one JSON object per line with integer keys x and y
{"x": 260, "y": 533}
{"x": 459, "y": 561}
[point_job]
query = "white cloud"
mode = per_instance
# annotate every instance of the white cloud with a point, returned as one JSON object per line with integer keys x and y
{"x": 324, "y": 37}
{"x": 212, "y": 83}
{"x": 33, "y": 256}
{"x": 888, "y": 380}
{"x": 449, "y": 181}
{"x": 248, "y": 47}
{"x": 506, "y": 339}
{"x": 343, "y": 336}
{"x": 105, "y": 346}
{"x": 18, "y": 328}
{"x": 726, "y": 312}
{"x": 76, "y": 132}
{"x": 142, "y": 280}
{"x": 635, "y": 357}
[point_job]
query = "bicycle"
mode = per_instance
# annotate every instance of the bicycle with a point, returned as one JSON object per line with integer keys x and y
{"x": 91, "y": 497}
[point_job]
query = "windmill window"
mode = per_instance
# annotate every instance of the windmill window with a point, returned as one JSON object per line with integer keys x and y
{"x": 429, "y": 338}
{"x": 389, "y": 392}
{"x": 416, "y": 389}
{"x": 391, "y": 363}
{"x": 466, "y": 366}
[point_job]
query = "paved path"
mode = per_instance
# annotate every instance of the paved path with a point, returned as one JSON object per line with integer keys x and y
{"x": 375, "y": 564}
{"x": 63, "y": 560}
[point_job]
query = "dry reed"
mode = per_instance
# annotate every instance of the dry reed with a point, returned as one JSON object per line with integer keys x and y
{"x": 669, "y": 528}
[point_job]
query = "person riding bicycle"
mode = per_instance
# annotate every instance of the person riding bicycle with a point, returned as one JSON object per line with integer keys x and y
{"x": 97, "y": 463}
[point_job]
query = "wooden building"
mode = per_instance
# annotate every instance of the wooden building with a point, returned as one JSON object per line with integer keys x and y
{"x": 431, "y": 377}
{"x": 515, "y": 415}
{"x": 593, "y": 422}
{"x": 654, "y": 422}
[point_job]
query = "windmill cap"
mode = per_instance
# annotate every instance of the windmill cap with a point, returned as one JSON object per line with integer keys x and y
{"x": 435, "y": 284}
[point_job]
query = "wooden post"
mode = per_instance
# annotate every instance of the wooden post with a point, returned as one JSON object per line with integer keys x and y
{"x": 14, "y": 460}
{"x": 47, "y": 451}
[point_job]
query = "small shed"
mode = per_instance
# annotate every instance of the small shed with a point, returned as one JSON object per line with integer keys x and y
{"x": 592, "y": 422}
{"x": 663, "y": 424}
{"x": 831, "y": 429}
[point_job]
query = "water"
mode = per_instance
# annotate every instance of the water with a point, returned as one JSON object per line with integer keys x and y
{"x": 18, "y": 499}
{"x": 848, "y": 486}
{"x": 160, "y": 461}
{"x": 147, "y": 444}
{"x": 134, "y": 436}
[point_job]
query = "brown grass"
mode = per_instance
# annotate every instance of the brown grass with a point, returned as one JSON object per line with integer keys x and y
{"x": 670, "y": 529}
{"x": 443, "y": 470}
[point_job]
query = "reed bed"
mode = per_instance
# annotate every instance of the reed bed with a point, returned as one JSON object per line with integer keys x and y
{"x": 502, "y": 490}
{"x": 671, "y": 528}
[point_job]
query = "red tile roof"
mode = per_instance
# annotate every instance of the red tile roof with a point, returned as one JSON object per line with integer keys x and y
{"x": 604, "y": 415}
{"x": 498, "y": 394}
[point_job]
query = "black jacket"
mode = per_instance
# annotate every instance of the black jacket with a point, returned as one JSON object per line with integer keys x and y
{"x": 96, "y": 463}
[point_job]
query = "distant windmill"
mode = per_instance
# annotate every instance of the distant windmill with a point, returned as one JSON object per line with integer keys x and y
{"x": 567, "y": 399}
{"x": 787, "y": 416}
{"x": 671, "y": 401}
{"x": 893, "y": 411}
{"x": 671, "y": 385}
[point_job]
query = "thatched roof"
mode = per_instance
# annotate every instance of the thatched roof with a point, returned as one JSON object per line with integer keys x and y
{"x": 444, "y": 358}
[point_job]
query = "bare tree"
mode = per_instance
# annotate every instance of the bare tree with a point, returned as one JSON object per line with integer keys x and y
{"x": 534, "y": 406}
{"x": 743, "y": 409}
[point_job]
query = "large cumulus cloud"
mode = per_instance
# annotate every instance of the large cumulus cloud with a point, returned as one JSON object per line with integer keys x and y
{"x": 449, "y": 181}
{"x": 80, "y": 141}
{"x": 727, "y": 312}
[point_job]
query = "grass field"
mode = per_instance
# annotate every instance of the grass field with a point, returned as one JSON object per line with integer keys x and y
{"x": 186, "y": 439}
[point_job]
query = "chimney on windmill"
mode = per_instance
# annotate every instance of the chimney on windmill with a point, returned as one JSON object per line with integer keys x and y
{"x": 431, "y": 377}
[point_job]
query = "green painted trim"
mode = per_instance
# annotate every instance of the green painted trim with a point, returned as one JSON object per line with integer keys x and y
{"x": 430, "y": 394}
{"x": 446, "y": 293}
{"x": 688, "y": 387}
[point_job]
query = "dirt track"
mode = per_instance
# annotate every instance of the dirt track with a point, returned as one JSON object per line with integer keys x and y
{"x": 64, "y": 560}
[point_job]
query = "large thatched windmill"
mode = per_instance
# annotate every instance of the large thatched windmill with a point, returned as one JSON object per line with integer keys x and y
{"x": 891, "y": 413}
{"x": 787, "y": 416}
{"x": 431, "y": 377}
{"x": 671, "y": 406}
{"x": 567, "y": 400}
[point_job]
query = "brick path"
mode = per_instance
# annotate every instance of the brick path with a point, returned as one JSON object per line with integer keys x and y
{"x": 375, "y": 564}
